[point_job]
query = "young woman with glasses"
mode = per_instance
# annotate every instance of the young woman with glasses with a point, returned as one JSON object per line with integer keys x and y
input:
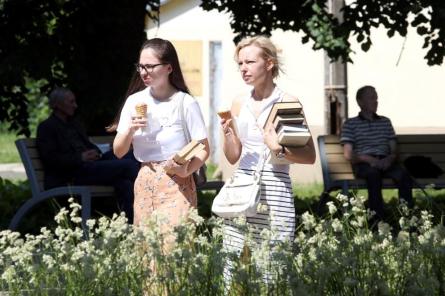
{"x": 157, "y": 136}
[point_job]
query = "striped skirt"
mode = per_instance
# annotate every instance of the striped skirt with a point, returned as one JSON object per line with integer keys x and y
{"x": 278, "y": 215}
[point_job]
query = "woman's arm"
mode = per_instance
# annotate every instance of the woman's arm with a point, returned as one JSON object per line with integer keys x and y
{"x": 122, "y": 141}
{"x": 231, "y": 143}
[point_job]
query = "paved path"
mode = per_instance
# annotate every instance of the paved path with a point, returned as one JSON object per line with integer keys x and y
{"x": 13, "y": 171}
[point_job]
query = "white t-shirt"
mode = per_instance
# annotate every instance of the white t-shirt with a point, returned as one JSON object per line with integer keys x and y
{"x": 163, "y": 136}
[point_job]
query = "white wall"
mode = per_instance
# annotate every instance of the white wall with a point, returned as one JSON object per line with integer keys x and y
{"x": 410, "y": 93}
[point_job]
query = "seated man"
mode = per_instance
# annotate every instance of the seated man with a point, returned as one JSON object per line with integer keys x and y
{"x": 69, "y": 156}
{"x": 369, "y": 142}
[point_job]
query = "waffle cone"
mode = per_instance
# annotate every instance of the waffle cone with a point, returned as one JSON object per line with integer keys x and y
{"x": 226, "y": 114}
{"x": 141, "y": 109}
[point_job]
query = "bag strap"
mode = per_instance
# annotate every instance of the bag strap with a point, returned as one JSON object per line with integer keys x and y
{"x": 262, "y": 161}
{"x": 183, "y": 122}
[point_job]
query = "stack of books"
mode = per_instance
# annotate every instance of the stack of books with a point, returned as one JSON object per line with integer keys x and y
{"x": 289, "y": 123}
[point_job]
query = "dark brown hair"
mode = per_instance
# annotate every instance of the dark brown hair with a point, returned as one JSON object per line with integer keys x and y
{"x": 166, "y": 53}
{"x": 136, "y": 84}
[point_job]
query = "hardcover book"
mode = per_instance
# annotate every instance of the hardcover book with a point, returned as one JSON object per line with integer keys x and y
{"x": 293, "y": 139}
{"x": 188, "y": 152}
{"x": 288, "y": 119}
{"x": 281, "y": 108}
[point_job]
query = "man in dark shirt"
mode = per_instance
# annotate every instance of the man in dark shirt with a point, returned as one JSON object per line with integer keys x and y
{"x": 70, "y": 158}
{"x": 369, "y": 142}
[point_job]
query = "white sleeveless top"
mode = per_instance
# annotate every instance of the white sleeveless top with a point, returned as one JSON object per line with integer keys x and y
{"x": 250, "y": 132}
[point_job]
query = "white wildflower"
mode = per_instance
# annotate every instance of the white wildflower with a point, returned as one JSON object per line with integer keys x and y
{"x": 342, "y": 198}
{"x": 403, "y": 237}
{"x": 195, "y": 217}
{"x": 49, "y": 261}
{"x": 90, "y": 223}
{"x": 308, "y": 220}
{"x": 76, "y": 219}
{"x": 331, "y": 207}
{"x": 10, "y": 275}
{"x": 384, "y": 228}
{"x": 61, "y": 215}
{"x": 362, "y": 199}
{"x": 337, "y": 226}
{"x": 353, "y": 201}
{"x": 262, "y": 208}
{"x": 356, "y": 210}
{"x": 402, "y": 222}
{"x": 413, "y": 221}
{"x": 74, "y": 205}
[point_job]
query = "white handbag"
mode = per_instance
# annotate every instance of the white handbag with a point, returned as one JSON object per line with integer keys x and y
{"x": 240, "y": 195}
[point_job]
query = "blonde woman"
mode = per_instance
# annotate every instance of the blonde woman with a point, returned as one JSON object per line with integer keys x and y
{"x": 259, "y": 66}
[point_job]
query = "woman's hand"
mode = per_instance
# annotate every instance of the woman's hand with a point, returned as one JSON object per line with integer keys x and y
{"x": 137, "y": 122}
{"x": 227, "y": 126}
{"x": 173, "y": 168}
{"x": 271, "y": 138}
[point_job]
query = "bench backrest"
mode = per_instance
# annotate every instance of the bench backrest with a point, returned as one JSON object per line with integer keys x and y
{"x": 33, "y": 165}
{"x": 336, "y": 168}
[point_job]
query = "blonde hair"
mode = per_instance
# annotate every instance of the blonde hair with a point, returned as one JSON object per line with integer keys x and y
{"x": 270, "y": 52}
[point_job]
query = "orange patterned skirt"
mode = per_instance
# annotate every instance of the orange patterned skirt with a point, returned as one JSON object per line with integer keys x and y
{"x": 170, "y": 196}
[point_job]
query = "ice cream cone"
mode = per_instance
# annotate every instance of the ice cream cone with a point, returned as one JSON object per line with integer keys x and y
{"x": 141, "y": 109}
{"x": 225, "y": 114}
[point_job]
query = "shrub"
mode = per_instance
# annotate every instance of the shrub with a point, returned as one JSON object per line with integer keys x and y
{"x": 334, "y": 255}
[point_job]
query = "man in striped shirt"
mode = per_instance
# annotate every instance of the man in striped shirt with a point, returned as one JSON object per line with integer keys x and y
{"x": 369, "y": 142}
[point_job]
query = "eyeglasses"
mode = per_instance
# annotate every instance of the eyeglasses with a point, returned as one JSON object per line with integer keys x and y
{"x": 147, "y": 67}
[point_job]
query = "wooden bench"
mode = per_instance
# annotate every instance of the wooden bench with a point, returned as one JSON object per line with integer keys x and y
{"x": 34, "y": 170}
{"x": 337, "y": 171}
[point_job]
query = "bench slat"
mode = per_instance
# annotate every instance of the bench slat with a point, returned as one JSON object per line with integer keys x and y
{"x": 420, "y": 148}
{"x": 342, "y": 176}
{"x": 439, "y": 139}
{"x": 336, "y": 158}
{"x": 33, "y": 153}
{"x": 340, "y": 168}
{"x": 334, "y": 149}
{"x": 37, "y": 163}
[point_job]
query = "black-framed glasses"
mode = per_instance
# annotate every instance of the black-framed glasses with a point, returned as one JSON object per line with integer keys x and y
{"x": 147, "y": 67}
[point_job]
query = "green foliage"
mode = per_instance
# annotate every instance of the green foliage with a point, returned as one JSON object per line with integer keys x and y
{"x": 8, "y": 151}
{"x": 38, "y": 108}
{"x": 12, "y": 195}
{"x": 87, "y": 46}
{"x": 333, "y": 34}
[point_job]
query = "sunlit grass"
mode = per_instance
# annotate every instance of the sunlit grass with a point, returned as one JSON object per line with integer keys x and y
{"x": 8, "y": 151}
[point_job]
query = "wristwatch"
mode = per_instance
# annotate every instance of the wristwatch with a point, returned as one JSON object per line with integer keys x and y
{"x": 282, "y": 153}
